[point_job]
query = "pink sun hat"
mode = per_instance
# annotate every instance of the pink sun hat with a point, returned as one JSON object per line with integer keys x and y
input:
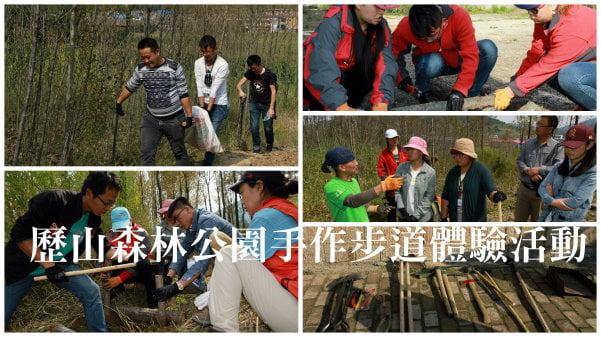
{"x": 418, "y": 144}
{"x": 385, "y": 7}
{"x": 165, "y": 206}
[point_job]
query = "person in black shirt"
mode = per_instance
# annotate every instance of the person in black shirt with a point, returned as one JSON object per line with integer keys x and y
{"x": 77, "y": 214}
{"x": 262, "y": 100}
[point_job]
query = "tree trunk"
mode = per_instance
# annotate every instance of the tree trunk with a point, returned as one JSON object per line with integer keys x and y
{"x": 69, "y": 125}
{"x": 33, "y": 51}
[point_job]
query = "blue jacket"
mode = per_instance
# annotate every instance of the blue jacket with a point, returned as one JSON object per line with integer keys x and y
{"x": 203, "y": 220}
{"x": 579, "y": 191}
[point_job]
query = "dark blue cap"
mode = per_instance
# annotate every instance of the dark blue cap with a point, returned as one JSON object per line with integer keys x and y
{"x": 526, "y": 7}
{"x": 337, "y": 156}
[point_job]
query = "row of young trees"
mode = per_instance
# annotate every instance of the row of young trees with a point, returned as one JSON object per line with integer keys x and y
{"x": 65, "y": 66}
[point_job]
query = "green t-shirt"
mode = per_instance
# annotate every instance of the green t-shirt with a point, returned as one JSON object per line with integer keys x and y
{"x": 336, "y": 191}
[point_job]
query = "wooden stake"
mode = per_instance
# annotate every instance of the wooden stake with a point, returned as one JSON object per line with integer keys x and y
{"x": 509, "y": 307}
{"x": 451, "y": 297}
{"x": 532, "y": 302}
{"x": 443, "y": 292}
{"x": 478, "y": 299}
{"x": 162, "y": 307}
{"x": 493, "y": 285}
{"x": 409, "y": 303}
{"x": 402, "y": 294}
{"x": 90, "y": 271}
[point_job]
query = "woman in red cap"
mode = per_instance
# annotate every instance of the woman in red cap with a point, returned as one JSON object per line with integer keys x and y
{"x": 348, "y": 56}
{"x": 388, "y": 161}
{"x": 563, "y": 55}
{"x": 567, "y": 191}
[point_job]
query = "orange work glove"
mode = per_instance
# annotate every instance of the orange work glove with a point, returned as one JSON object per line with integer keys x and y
{"x": 379, "y": 107}
{"x": 112, "y": 282}
{"x": 502, "y": 98}
{"x": 345, "y": 107}
{"x": 391, "y": 183}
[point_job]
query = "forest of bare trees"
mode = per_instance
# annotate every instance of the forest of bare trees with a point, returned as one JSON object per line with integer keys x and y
{"x": 65, "y": 66}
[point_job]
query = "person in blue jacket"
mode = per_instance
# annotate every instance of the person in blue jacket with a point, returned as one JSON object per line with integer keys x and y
{"x": 348, "y": 56}
{"x": 567, "y": 191}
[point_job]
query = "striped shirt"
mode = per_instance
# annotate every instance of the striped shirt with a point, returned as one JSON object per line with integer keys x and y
{"x": 165, "y": 86}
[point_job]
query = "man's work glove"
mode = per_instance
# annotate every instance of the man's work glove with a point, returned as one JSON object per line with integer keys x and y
{"x": 379, "y": 107}
{"x": 188, "y": 122}
{"x": 455, "y": 101}
{"x": 384, "y": 208}
{"x": 165, "y": 293}
{"x": 168, "y": 280}
{"x": 112, "y": 282}
{"x": 345, "y": 107}
{"x": 144, "y": 264}
{"x": 407, "y": 85}
{"x": 119, "y": 109}
{"x": 56, "y": 274}
{"x": 391, "y": 183}
{"x": 498, "y": 197}
{"x": 502, "y": 98}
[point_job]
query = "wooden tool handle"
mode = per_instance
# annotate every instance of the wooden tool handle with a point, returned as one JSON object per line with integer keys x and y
{"x": 90, "y": 271}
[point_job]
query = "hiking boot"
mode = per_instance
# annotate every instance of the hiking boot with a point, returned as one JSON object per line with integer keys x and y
{"x": 426, "y": 97}
{"x": 269, "y": 148}
{"x": 256, "y": 151}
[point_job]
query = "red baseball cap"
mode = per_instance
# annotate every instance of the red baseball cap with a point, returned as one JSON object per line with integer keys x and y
{"x": 578, "y": 135}
{"x": 385, "y": 7}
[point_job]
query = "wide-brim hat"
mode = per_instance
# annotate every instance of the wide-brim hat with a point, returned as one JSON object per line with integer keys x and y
{"x": 418, "y": 143}
{"x": 465, "y": 146}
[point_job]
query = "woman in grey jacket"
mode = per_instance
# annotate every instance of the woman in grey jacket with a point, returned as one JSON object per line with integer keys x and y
{"x": 414, "y": 198}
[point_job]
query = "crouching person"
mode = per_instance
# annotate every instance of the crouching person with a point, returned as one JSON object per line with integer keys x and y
{"x": 271, "y": 287}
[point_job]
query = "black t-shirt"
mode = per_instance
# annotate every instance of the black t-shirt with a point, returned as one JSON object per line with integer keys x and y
{"x": 259, "y": 85}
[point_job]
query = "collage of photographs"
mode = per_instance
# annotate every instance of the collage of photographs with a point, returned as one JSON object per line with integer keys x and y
{"x": 465, "y": 132}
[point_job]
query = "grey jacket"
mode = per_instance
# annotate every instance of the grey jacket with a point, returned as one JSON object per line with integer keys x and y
{"x": 424, "y": 192}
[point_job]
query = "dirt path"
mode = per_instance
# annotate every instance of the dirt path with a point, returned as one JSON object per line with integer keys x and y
{"x": 285, "y": 156}
{"x": 511, "y": 35}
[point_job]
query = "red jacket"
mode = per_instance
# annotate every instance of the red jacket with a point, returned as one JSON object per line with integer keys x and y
{"x": 387, "y": 165}
{"x": 567, "y": 39}
{"x": 457, "y": 46}
{"x": 286, "y": 273}
{"x": 329, "y": 51}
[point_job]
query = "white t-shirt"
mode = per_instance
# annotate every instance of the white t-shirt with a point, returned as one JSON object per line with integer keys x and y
{"x": 220, "y": 71}
{"x": 411, "y": 192}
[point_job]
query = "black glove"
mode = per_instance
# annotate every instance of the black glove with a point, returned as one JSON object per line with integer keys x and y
{"x": 168, "y": 280}
{"x": 56, "y": 274}
{"x": 403, "y": 215}
{"x": 455, "y": 101}
{"x": 444, "y": 219}
{"x": 405, "y": 83}
{"x": 119, "y": 109}
{"x": 384, "y": 208}
{"x": 144, "y": 264}
{"x": 411, "y": 218}
{"x": 165, "y": 293}
{"x": 498, "y": 197}
{"x": 187, "y": 123}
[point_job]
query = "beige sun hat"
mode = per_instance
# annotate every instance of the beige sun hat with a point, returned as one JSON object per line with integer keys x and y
{"x": 465, "y": 146}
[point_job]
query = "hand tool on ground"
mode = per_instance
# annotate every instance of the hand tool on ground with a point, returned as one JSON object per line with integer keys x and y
{"x": 531, "y": 301}
{"x": 409, "y": 303}
{"x": 451, "y": 297}
{"x": 443, "y": 292}
{"x": 333, "y": 318}
{"x": 472, "y": 285}
{"x": 90, "y": 271}
{"x": 493, "y": 285}
{"x": 509, "y": 307}
{"x": 242, "y": 122}
{"x": 401, "y": 296}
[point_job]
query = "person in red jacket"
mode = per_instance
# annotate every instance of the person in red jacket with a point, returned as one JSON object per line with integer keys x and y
{"x": 348, "y": 56}
{"x": 445, "y": 44}
{"x": 388, "y": 161}
{"x": 563, "y": 55}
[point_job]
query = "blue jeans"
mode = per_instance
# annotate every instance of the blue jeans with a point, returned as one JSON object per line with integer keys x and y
{"x": 218, "y": 115}
{"x": 257, "y": 113}
{"x": 431, "y": 65}
{"x": 578, "y": 81}
{"x": 154, "y": 128}
{"x": 82, "y": 286}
